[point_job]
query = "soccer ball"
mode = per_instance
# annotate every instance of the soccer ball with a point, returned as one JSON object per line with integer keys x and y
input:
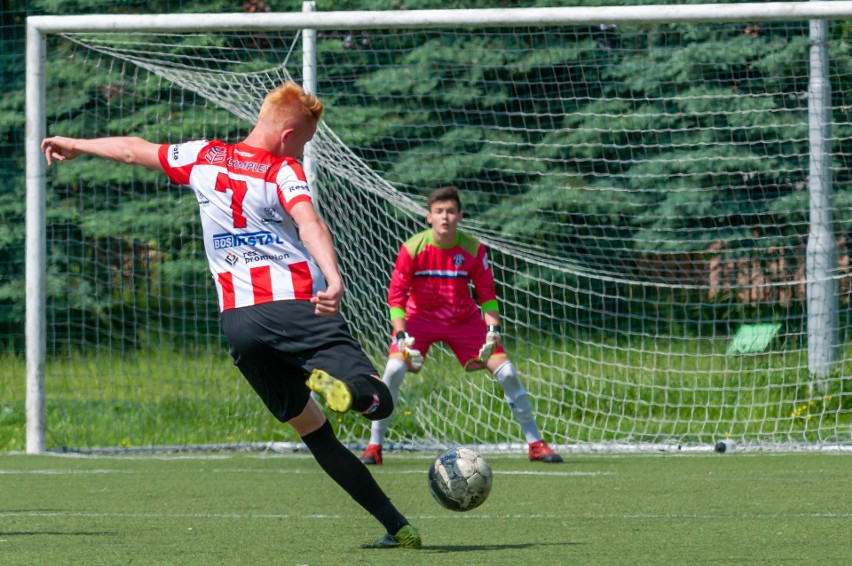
{"x": 460, "y": 479}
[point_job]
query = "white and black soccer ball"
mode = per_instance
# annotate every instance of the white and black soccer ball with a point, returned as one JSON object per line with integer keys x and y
{"x": 460, "y": 479}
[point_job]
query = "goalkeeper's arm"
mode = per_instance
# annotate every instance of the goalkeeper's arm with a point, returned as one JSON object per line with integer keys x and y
{"x": 397, "y": 325}
{"x": 412, "y": 356}
{"x": 492, "y": 335}
{"x": 492, "y": 317}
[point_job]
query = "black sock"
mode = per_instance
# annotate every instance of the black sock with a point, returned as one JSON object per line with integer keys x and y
{"x": 353, "y": 476}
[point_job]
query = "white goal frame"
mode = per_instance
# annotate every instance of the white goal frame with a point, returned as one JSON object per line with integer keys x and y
{"x": 39, "y": 27}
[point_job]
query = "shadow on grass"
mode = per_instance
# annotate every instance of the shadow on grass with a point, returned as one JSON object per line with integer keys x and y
{"x": 446, "y": 549}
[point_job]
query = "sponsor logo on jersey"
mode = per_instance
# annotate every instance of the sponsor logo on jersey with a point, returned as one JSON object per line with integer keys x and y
{"x": 253, "y": 256}
{"x": 175, "y": 152}
{"x": 270, "y": 216}
{"x": 231, "y": 258}
{"x": 202, "y": 200}
{"x": 215, "y": 154}
{"x": 244, "y": 153}
{"x": 259, "y": 238}
{"x": 247, "y": 165}
{"x": 299, "y": 188}
{"x": 458, "y": 260}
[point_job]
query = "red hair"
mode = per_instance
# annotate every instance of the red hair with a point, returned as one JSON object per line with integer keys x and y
{"x": 288, "y": 102}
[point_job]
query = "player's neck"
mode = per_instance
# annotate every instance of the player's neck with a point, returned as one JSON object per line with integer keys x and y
{"x": 260, "y": 139}
{"x": 445, "y": 240}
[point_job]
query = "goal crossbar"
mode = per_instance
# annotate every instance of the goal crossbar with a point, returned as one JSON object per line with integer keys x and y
{"x": 421, "y": 19}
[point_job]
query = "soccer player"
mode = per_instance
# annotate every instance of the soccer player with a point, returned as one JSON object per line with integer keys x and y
{"x": 430, "y": 302}
{"x": 275, "y": 270}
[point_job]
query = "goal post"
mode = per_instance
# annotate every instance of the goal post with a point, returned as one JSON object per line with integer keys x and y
{"x": 648, "y": 230}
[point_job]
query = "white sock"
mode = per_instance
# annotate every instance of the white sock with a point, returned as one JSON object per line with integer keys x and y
{"x": 393, "y": 376}
{"x": 518, "y": 400}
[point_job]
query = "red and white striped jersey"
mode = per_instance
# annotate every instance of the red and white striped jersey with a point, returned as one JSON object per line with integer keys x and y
{"x": 245, "y": 195}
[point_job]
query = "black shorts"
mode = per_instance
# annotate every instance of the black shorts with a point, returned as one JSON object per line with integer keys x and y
{"x": 277, "y": 345}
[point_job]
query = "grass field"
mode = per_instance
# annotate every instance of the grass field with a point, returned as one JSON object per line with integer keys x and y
{"x": 252, "y": 508}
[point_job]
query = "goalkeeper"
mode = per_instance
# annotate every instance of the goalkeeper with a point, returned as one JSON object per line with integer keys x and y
{"x": 275, "y": 269}
{"x": 430, "y": 302}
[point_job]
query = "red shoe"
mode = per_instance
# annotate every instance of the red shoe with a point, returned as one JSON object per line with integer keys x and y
{"x": 372, "y": 456}
{"x": 541, "y": 452}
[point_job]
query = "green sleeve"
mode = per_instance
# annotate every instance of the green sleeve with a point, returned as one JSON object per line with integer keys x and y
{"x": 491, "y": 306}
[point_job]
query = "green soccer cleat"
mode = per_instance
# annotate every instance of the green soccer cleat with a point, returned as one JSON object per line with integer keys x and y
{"x": 406, "y": 537}
{"x": 336, "y": 394}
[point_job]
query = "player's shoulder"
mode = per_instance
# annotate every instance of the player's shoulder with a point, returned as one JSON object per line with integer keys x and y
{"x": 417, "y": 243}
{"x": 194, "y": 150}
{"x": 469, "y": 243}
{"x": 288, "y": 170}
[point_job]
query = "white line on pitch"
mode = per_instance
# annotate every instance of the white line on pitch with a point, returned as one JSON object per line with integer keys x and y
{"x": 295, "y": 472}
{"x": 535, "y": 473}
{"x": 408, "y": 472}
{"x": 63, "y": 472}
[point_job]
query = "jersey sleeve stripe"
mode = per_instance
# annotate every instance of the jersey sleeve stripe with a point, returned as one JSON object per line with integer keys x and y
{"x": 226, "y": 281}
{"x": 179, "y": 175}
{"x": 288, "y": 206}
{"x": 261, "y": 284}
{"x": 303, "y": 285}
{"x": 297, "y": 169}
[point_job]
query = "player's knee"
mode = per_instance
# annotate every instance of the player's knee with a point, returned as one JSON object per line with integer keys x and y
{"x": 508, "y": 379}
{"x": 380, "y": 409}
{"x": 386, "y": 393}
{"x": 382, "y": 403}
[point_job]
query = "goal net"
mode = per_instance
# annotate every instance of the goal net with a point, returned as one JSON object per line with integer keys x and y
{"x": 643, "y": 189}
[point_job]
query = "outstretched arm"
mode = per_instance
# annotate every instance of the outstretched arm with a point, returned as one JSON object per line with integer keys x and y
{"x": 128, "y": 150}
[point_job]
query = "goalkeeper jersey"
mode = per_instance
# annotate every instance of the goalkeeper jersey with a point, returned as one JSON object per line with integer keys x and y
{"x": 244, "y": 197}
{"x": 432, "y": 282}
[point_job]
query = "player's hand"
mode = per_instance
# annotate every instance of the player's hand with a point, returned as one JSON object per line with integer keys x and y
{"x": 327, "y": 302}
{"x": 413, "y": 358}
{"x": 58, "y": 148}
{"x": 492, "y": 338}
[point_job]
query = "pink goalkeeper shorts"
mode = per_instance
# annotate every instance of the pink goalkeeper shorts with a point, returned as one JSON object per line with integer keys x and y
{"x": 464, "y": 339}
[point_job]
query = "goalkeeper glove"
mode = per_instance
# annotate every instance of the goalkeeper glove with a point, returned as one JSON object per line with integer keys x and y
{"x": 492, "y": 338}
{"x": 413, "y": 358}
